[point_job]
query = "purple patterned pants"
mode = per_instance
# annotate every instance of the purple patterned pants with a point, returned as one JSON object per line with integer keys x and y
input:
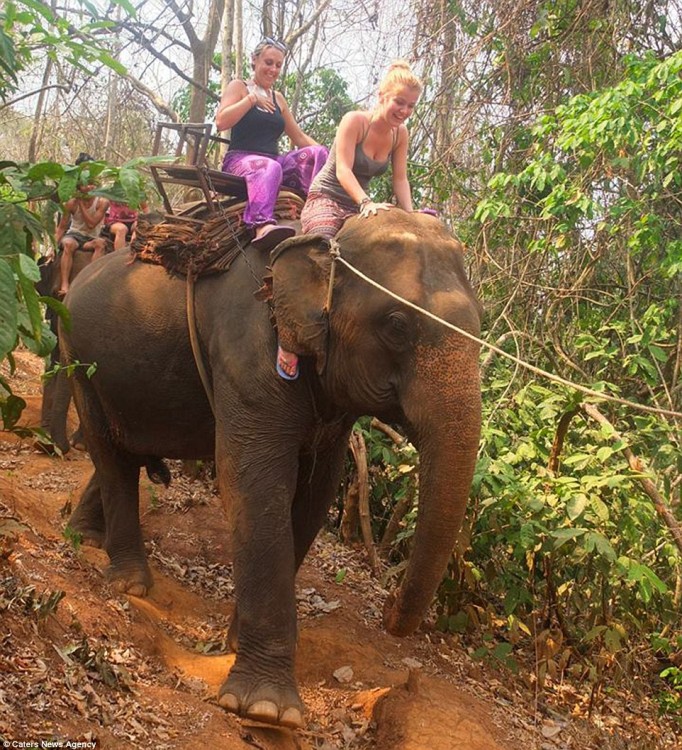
{"x": 265, "y": 174}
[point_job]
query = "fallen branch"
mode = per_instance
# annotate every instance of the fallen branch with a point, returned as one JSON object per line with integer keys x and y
{"x": 395, "y": 436}
{"x": 359, "y": 450}
{"x": 393, "y": 526}
{"x": 636, "y": 464}
{"x": 349, "y": 519}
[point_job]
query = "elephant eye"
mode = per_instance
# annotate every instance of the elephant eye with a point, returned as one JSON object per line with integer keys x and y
{"x": 396, "y": 331}
{"x": 398, "y": 322}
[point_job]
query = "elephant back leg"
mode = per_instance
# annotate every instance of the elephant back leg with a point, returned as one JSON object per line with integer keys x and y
{"x": 110, "y": 503}
{"x": 87, "y": 519}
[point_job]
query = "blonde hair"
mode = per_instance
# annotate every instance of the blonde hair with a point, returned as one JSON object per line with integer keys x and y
{"x": 399, "y": 75}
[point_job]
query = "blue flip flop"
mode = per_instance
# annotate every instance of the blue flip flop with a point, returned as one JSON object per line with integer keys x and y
{"x": 280, "y": 371}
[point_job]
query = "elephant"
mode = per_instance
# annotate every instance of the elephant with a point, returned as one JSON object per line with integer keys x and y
{"x": 279, "y": 445}
{"x": 56, "y": 390}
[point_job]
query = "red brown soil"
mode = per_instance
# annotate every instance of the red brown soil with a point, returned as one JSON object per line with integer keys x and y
{"x": 137, "y": 673}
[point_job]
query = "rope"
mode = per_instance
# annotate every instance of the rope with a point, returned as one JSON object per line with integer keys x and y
{"x": 229, "y": 224}
{"x": 522, "y": 363}
{"x": 196, "y": 350}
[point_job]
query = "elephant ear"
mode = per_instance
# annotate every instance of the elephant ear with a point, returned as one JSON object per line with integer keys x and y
{"x": 300, "y": 277}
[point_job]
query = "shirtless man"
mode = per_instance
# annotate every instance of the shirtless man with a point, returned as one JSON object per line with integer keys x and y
{"x": 80, "y": 226}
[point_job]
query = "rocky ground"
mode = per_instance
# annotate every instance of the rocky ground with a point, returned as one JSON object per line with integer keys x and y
{"x": 80, "y": 663}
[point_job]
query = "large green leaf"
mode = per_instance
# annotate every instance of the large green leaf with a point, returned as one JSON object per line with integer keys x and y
{"x": 31, "y": 299}
{"x": 44, "y": 169}
{"x": 11, "y": 409}
{"x": 8, "y": 309}
{"x": 67, "y": 185}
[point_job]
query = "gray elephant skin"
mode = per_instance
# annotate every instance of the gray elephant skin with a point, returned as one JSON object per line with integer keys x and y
{"x": 56, "y": 391}
{"x": 279, "y": 446}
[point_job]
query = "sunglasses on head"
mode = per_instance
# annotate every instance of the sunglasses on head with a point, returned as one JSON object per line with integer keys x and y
{"x": 268, "y": 41}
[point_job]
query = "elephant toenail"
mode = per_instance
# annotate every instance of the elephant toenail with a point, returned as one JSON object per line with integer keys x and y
{"x": 291, "y": 718}
{"x": 263, "y": 711}
{"x": 229, "y": 702}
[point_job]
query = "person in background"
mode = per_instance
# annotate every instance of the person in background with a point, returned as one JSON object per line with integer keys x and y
{"x": 80, "y": 226}
{"x": 258, "y": 115}
{"x": 120, "y": 222}
{"x": 365, "y": 144}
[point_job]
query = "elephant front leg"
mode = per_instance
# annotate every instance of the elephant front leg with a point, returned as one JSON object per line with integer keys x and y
{"x": 261, "y": 684}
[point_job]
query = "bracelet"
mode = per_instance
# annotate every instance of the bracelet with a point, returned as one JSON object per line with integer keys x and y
{"x": 364, "y": 202}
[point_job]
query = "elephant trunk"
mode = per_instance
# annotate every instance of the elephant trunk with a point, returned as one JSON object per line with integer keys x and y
{"x": 59, "y": 408}
{"x": 444, "y": 408}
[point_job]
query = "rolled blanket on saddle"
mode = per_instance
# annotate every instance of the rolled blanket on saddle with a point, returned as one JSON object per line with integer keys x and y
{"x": 202, "y": 241}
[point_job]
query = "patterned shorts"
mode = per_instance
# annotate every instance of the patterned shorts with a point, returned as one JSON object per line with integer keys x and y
{"x": 323, "y": 215}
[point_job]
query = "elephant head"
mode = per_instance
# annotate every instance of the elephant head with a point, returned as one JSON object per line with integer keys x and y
{"x": 375, "y": 355}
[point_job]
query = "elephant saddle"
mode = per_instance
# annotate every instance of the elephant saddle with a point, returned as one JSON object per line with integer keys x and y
{"x": 202, "y": 241}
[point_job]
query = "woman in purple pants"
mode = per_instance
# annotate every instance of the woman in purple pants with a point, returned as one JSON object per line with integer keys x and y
{"x": 258, "y": 115}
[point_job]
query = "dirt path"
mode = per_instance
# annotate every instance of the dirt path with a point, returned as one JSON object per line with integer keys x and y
{"x": 140, "y": 673}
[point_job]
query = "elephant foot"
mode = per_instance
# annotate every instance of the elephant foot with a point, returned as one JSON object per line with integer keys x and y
{"x": 258, "y": 702}
{"x": 133, "y": 582}
{"x": 78, "y": 441}
{"x": 233, "y": 633}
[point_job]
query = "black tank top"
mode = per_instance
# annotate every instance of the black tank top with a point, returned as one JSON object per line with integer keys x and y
{"x": 258, "y": 131}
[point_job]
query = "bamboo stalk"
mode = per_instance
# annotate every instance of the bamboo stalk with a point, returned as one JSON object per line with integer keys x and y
{"x": 359, "y": 450}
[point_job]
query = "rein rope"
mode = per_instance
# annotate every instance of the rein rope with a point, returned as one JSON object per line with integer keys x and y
{"x": 502, "y": 353}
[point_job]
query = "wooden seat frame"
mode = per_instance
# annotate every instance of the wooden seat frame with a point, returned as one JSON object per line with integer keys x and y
{"x": 194, "y": 140}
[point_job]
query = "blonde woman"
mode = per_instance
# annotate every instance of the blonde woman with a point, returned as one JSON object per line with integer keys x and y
{"x": 365, "y": 144}
{"x": 258, "y": 115}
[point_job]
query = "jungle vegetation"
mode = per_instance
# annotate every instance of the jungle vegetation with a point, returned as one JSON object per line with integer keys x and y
{"x": 548, "y": 137}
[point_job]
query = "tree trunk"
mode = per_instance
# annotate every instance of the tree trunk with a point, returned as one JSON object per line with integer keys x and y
{"x": 33, "y": 146}
{"x": 238, "y": 39}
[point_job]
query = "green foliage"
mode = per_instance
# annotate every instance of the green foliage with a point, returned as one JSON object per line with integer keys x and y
{"x": 322, "y": 101}
{"x": 27, "y": 26}
{"x": 74, "y": 538}
{"x": 30, "y": 195}
{"x": 604, "y": 163}
{"x": 670, "y": 700}
{"x": 393, "y": 474}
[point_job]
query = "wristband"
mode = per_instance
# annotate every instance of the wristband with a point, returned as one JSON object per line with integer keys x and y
{"x": 364, "y": 202}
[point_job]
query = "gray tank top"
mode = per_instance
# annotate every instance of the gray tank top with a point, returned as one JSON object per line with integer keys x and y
{"x": 78, "y": 222}
{"x": 364, "y": 168}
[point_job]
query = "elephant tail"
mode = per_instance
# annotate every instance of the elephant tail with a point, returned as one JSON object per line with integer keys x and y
{"x": 157, "y": 470}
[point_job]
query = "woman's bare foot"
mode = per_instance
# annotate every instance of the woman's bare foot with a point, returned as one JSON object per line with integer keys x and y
{"x": 287, "y": 364}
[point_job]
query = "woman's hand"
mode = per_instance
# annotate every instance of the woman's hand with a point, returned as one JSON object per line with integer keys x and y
{"x": 264, "y": 103}
{"x": 372, "y": 209}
